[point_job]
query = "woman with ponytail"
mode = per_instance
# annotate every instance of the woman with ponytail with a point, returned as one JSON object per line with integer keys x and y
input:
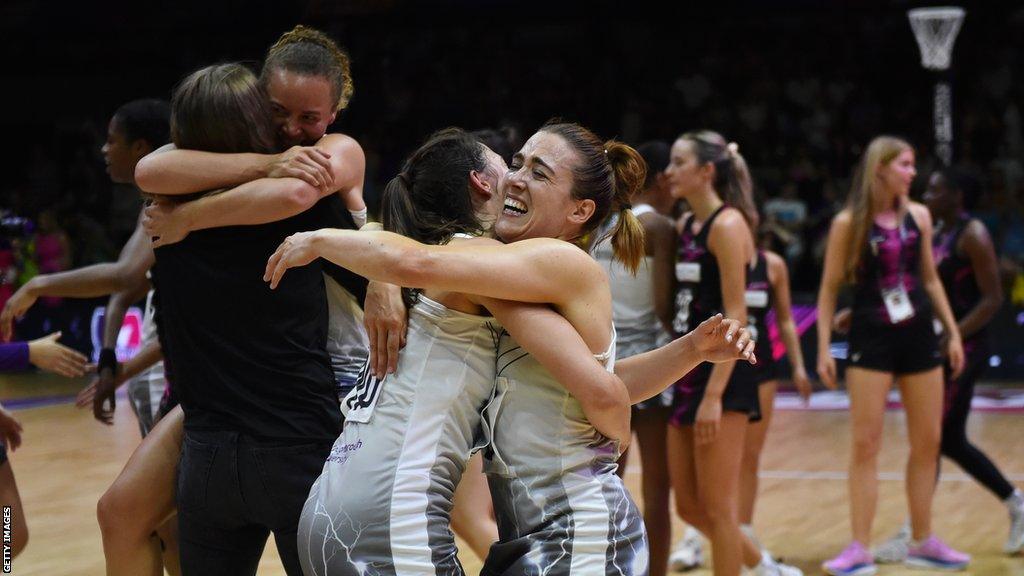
{"x": 712, "y": 405}
{"x": 554, "y": 435}
{"x": 881, "y": 244}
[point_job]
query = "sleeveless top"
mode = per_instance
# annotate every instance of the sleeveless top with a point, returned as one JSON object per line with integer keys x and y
{"x": 699, "y": 295}
{"x": 956, "y": 271}
{"x": 759, "y": 303}
{"x": 561, "y": 508}
{"x": 636, "y": 323}
{"x": 891, "y": 259}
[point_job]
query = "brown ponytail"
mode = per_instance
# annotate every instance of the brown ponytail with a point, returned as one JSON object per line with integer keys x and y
{"x": 609, "y": 173}
{"x": 630, "y": 172}
{"x": 310, "y": 52}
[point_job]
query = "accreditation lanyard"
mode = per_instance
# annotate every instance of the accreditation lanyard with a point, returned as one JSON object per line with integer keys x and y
{"x": 897, "y": 301}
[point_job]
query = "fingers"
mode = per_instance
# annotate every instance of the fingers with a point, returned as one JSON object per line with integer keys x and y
{"x": 322, "y": 158}
{"x": 306, "y": 173}
{"x": 276, "y": 257}
{"x": 748, "y": 352}
{"x": 86, "y": 396}
{"x": 393, "y": 345}
{"x": 713, "y": 324}
{"x": 320, "y": 173}
{"x": 381, "y": 367}
{"x": 279, "y": 271}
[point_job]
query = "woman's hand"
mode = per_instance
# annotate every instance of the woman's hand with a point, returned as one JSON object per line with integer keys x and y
{"x": 15, "y": 308}
{"x": 827, "y": 370}
{"x": 802, "y": 383}
{"x": 386, "y": 321}
{"x": 307, "y": 163}
{"x": 709, "y": 416}
{"x": 955, "y": 354}
{"x": 842, "y": 320}
{"x": 719, "y": 339}
{"x": 296, "y": 250}
{"x": 48, "y": 354}
{"x": 163, "y": 222}
{"x": 100, "y": 394}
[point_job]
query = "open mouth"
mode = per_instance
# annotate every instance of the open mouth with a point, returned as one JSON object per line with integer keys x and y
{"x": 514, "y": 207}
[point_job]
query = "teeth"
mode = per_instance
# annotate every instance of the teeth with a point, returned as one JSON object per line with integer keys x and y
{"x": 515, "y": 205}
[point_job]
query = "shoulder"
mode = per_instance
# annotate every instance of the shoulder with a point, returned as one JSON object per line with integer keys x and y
{"x": 341, "y": 144}
{"x": 729, "y": 225}
{"x": 975, "y": 235}
{"x": 776, "y": 266}
{"x": 919, "y": 212}
{"x": 841, "y": 222}
{"x": 656, "y": 225}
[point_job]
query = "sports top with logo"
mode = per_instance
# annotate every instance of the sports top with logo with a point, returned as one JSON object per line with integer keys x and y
{"x": 561, "y": 508}
{"x": 382, "y": 504}
{"x": 956, "y": 272}
{"x": 759, "y": 302}
{"x": 891, "y": 323}
{"x": 699, "y": 297}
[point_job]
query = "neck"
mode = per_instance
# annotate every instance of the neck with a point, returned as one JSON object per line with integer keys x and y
{"x": 882, "y": 201}
{"x": 704, "y": 203}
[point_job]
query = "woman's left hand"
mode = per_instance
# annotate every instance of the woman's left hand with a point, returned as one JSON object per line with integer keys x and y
{"x": 163, "y": 222}
{"x": 955, "y": 354}
{"x": 720, "y": 339}
{"x": 709, "y": 416}
{"x": 296, "y": 250}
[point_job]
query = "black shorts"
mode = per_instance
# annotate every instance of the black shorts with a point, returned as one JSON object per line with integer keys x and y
{"x": 902, "y": 349}
{"x": 740, "y": 395}
{"x": 766, "y": 370}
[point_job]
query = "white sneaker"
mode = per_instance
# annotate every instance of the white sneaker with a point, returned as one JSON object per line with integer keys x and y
{"x": 688, "y": 552}
{"x": 769, "y": 567}
{"x": 893, "y": 550}
{"x": 1015, "y": 543}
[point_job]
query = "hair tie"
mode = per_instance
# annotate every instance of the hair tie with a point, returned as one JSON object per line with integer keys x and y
{"x": 625, "y": 206}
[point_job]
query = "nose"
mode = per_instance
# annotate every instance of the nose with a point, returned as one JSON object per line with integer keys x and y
{"x": 104, "y": 149}
{"x": 291, "y": 128}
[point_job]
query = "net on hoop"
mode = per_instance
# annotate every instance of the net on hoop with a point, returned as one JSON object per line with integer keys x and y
{"x": 935, "y": 30}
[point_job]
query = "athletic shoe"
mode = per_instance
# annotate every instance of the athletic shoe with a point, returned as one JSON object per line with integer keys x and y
{"x": 688, "y": 552}
{"x": 770, "y": 567}
{"x": 894, "y": 549}
{"x": 1015, "y": 543}
{"x": 854, "y": 561}
{"x": 934, "y": 554}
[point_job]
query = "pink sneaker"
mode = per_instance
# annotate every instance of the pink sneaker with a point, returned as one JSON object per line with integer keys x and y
{"x": 934, "y": 554}
{"x": 854, "y": 561}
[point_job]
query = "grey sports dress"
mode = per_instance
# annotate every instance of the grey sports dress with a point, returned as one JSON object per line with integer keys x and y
{"x": 382, "y": 504}
{"x": 561, "y": 508}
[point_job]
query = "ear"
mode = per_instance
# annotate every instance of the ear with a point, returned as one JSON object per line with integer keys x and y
{"x": 707, "y": 170}
{"x": 479, "y": 184}
{"x": 141, "y": 148}
{"x": 331, "y": 119}
{"x": 582, "y": 212}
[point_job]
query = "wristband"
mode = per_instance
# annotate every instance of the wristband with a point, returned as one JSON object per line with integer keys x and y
{"x": 108, "y": 359}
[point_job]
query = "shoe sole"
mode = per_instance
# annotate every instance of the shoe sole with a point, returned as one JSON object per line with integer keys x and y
{"x": 867, "y": 570}
{"x": 923, "y": 564}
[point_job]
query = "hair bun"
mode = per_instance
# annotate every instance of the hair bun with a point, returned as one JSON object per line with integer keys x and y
{"x": 733, "y": 148}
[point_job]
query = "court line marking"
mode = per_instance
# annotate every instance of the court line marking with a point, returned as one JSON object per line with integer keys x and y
{"x": 843, "y": 476}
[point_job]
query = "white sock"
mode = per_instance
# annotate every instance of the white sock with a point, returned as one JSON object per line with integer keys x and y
{"x": 1015, "y": 501}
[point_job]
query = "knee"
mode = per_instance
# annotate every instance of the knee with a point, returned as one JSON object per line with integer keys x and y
{"x": 720, "y": 512}
{"x": 690, "y": 510}
{"x": 113, "y": 513}
{"x": 866, "y": 446}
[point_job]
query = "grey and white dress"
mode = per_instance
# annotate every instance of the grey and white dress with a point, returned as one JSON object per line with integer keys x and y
{"x": 382, "y": 504}
{"x": 561, "y": 508}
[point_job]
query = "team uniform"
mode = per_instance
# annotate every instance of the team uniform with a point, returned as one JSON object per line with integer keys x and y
{"x": 561, "y": 509}
{"x": 961, "y": 286}
{"x": 700, "y": 297}
{"x": 637, "y": 326}
{"x": 758, "y": 296}
{"x": 383, "y": 502}
{"x": 147, "y": 389}
{"x": 891, "y": 326}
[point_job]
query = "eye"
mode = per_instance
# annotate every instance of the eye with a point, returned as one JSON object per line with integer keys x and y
{"x": 539, "y": 174}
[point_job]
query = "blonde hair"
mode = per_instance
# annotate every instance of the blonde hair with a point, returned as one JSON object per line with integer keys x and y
{"x": 310, "y": 52}
{"x": 732, "y": 176}
{"x": 881, "y": 151}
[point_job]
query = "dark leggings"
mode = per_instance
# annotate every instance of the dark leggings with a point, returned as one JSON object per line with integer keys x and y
{"x": 955, "y": 444}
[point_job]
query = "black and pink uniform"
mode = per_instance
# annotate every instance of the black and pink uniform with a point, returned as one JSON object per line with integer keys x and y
{"x": 698, "y": 298}
{"x": 891, "y": 262}
{"x": 759, "y": 302}
{"x": 961, "y": 286}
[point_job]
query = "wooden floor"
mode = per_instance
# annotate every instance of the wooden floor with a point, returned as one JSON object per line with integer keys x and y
{"x": 68, "y": 459}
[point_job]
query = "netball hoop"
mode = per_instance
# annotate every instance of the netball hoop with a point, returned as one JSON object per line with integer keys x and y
{"x": 935, "y": 30}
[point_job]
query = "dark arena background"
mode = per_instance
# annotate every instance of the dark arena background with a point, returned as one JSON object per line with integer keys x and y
{"x": 802, "y": 86}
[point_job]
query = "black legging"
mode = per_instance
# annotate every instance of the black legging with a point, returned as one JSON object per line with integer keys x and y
{"x": 955, "y": 444}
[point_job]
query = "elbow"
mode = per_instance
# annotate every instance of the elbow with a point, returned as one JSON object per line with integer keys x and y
{"x": 301, "y": 197}
{"x": 147, "y": 176}
{"x": 610, "y": 397}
